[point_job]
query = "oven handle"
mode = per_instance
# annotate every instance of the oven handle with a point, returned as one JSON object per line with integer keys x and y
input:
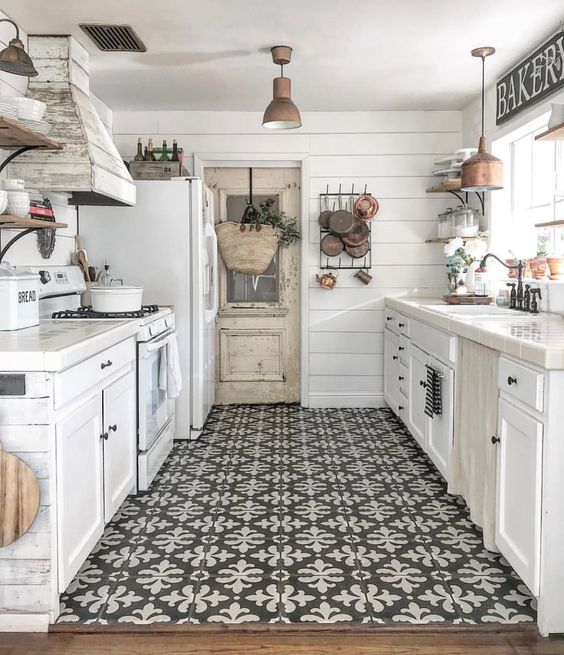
{"x": 159, "y": 342}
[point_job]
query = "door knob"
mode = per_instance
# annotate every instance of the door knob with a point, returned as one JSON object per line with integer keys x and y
{"x": 511, "y": 380}
{"x": 401, "y": 378}
{"x": 401, "y": 348}
{"x": 104, "y": 436}
{"x": 495, "y": 440}
{"x": 113, "y": 428}
{"x": 394, "y": 357}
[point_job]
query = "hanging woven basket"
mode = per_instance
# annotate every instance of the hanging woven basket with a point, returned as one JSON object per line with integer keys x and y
{"x": 247, "y": 248}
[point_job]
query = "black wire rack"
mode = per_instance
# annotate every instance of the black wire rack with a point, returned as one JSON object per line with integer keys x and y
{"x": 332, "y": 202}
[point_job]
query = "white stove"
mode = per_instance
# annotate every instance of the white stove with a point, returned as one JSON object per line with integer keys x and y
{"x": 59, "y": 301}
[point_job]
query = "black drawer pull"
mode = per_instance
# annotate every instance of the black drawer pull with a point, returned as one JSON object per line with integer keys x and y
{"x": 401, "y": 378}
{"x": 394, "y": 357}
{"x": 389, "y": 318}
{"x": 401, "y": 348}
{"x": 104, "y": 365}
{"x": 401, "y": 324}
{"x": 401, "y": 408}
{"x": 511, "y": 380}
{"x": 104, "y": 436}
{"x": 423, "y": 384}
{"x": 495, "y": 440}
{"x": 113, "y": 428}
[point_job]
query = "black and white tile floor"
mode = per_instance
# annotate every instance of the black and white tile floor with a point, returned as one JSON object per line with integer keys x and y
{"x": 289, "y": 514}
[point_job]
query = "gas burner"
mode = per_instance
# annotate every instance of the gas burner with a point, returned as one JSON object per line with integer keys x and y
{"x": 88, "y": 312}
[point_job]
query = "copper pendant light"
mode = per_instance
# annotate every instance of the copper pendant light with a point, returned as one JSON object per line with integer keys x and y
{"x": 282, "y": 113}
{"x": 14, "y": 59}
{"x": 482, "y": 171}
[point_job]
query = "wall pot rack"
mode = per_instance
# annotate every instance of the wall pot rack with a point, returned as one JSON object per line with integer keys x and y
{"x": 18, "y": 138}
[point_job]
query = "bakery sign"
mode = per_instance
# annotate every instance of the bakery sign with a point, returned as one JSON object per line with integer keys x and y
{"x": 533, "y": 79}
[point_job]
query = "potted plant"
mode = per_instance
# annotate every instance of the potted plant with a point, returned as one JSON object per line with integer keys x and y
{"x": 249, "y": 246}
{"x": 463, "y": 258}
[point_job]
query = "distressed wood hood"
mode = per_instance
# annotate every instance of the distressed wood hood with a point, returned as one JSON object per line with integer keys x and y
{"x": 89, "y": 166}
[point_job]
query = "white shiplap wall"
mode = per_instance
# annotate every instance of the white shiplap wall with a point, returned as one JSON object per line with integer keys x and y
{"x": 391, "y": 152}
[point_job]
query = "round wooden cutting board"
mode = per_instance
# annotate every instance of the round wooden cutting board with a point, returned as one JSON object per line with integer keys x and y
{"x": 19, "y": 497}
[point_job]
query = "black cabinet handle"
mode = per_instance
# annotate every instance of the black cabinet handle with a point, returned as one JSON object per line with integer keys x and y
{"x": 495, "y": 440}
{"x": 401, "y": 378}
{"x": 401, "y": 324}
{"x": 104, "y": 365}
{"x": 388, "y": 318}
{"x": 401, "y": 408}
{"x": 423, "y": 384}
{"x": 511, "y": 380}
{"x": 394, "y": 357}
{"x": 401, "y": 348}
{"x": 113, "y": 428}
{"x": 104, "y": 436}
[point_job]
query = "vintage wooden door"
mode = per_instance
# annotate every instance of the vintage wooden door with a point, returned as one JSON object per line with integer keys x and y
{"x": 258, "y": 333}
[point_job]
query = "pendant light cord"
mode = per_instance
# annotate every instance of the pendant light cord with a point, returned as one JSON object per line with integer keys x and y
{"x": 250, "y": 186}
{"x": 483, "y": 95}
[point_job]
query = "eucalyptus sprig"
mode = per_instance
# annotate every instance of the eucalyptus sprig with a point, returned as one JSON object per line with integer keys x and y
{"x": 267, "y": 214}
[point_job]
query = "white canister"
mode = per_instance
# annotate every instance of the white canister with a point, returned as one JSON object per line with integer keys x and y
{"x": 19, "y": 299}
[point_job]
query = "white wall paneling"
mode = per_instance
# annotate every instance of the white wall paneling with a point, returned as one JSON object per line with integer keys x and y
{"x": 393, "y": 154}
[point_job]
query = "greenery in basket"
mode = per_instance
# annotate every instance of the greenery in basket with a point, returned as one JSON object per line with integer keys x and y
{"x": 266, "y": 214}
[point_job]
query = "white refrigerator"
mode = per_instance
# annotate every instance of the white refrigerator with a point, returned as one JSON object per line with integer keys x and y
{"x": 167, "y": 245}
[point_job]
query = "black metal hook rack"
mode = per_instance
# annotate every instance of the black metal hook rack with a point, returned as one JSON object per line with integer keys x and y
{"x": 343, "y": 200}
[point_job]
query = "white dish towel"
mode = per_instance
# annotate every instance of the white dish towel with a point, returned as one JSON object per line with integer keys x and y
{"x": 472, "y": 471}
{"x": 170, "y": 375}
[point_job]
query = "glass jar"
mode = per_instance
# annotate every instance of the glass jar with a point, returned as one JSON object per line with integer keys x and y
{"x": 466, "y": 221}
{"x": 443, "y": 228}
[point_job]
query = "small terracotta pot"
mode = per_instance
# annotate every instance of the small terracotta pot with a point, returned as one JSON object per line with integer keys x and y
{"x": 538, "y": 266}
{"x": 556, "y": 265}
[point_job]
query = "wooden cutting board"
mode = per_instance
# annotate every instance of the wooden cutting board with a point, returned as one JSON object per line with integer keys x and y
{"x": 19, "y": 497}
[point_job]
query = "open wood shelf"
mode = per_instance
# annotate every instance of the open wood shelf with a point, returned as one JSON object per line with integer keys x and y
{"x": 447, "y": 239}
{"x": 555, "y": 133}
{"x": 14, "y": 135}
{"x": 8, "y": 222}
{"x": 445, "y": 186}
{"x": 550, "y": 223}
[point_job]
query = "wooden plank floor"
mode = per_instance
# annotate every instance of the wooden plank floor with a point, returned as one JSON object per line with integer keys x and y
{"x": 208, "y": 640}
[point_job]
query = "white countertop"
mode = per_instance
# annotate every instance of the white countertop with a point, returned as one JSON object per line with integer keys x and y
{"x": 535, "y": 338}
{"x": 54, "y": 345}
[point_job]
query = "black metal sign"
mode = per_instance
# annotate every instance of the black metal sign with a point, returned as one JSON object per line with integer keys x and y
{"x": 535, "y": 78}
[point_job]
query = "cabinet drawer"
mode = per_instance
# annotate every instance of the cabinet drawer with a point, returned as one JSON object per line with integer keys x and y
{"x": 76, "y": 380}
{"x": 403, "y": 379}
{"x": 521, "y": 382}
{"x": 391, "y": 320}
{"x": 433, "y": 341}
{"x": 403, "y": 349}
{"x": 403, "y": 325}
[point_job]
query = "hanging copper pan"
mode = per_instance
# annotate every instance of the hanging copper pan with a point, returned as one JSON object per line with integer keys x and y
{"x": 324, "y": 218}
{"x": 341, "y": 222}
{"x": 359, "y": 234}
{"x": 332, "y": 245}
{"x": 357, "y": 252}
{"x": 366, "y": 207}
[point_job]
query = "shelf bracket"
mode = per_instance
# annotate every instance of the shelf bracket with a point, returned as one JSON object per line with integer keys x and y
{"x": 15, "y": 154}
{"x": 12, "y": 241}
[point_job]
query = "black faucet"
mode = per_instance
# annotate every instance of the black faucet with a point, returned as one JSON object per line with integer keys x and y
{"x": 519, "y": 296}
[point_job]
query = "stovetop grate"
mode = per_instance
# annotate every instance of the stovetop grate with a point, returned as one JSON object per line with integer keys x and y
{"x": 88, "y": 312}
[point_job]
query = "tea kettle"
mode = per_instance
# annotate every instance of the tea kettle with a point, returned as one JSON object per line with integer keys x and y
{"x": 327, "y": 281}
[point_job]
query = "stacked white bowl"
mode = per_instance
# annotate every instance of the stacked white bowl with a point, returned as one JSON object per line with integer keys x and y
{"x": 27, "y": 109}
{"x": 17, "y": 198}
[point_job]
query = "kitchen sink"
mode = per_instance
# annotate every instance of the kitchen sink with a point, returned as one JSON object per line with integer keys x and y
{"x": 474, "y": 311}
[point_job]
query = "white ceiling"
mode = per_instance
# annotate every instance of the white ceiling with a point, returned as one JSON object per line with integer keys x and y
{"x": 348, "y": 54}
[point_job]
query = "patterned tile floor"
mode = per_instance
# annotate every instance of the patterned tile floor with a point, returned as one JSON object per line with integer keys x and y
{"x": 286, "y": 514}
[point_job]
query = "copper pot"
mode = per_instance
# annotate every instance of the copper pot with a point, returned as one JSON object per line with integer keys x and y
{"x": 327, "y": 281}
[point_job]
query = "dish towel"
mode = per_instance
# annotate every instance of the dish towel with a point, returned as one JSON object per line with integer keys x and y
{"x": 174, "y": 374}
{"x": 472, "y": 473}
{"x": 433, "y": 393}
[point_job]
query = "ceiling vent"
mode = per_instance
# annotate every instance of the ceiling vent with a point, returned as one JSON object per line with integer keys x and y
{"x": 114, "y": 38}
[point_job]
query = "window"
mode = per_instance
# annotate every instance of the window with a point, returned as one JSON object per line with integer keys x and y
{"x": 243, "y": 288}
{"x": 537, "y": 195}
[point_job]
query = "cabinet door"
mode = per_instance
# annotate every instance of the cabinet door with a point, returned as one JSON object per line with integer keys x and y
{"x": 120, "y": 442}
{"x": 417, "y": 379}
{"x": 440, "y": 428}
{"x": 519, "y": 477}
{"x": 80, "y": 515}
{"x": 391, "y": 370}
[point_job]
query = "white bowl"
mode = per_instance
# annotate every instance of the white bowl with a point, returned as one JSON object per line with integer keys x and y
{"x": 27, "y": 108}
{"x": 116, "y": 299}
{"x": 13, "y": 184}
{"x": 3, "y": 201}
{"x": 18, "y": 203}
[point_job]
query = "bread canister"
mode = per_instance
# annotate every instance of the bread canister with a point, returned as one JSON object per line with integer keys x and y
{"x": 19, "y": 298}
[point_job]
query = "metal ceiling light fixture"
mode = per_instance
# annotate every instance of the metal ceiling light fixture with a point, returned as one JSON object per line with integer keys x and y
{"x": 14, "y": 59}
{"x": 282, "y": 113}
{"x": 483, "y": 171}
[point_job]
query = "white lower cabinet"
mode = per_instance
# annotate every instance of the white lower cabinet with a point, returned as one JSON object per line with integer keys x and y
{"x": 417, "y": 382}
{"x": 440, "y": 428}
{"x": 80, "y": 493}
{"x": 120, "y": 444}
{"x": 391, "y": 370}
{"x": 519, "y": 486}
{"x": 96, "y": 468}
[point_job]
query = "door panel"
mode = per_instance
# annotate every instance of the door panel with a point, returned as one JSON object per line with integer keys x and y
{"x": 519, "y": 477}
{"x": 120, "y": 446}
{"x": 417, "y": 374}
{"x": 391, "y": 370}
{"x": 440, "y": 428}
{"x": 258, "y": 333}
{"x": 80, "y": 492}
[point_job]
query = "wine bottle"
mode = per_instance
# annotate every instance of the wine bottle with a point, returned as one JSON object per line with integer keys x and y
{"x": 164, "y": 156}
{"x": 139, "y": 155}
{"x": 150, "y": 154}
{"x": 174, "y": 151}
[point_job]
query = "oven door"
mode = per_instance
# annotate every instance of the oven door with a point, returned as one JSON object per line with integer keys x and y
{"x": 155, "y": 407}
